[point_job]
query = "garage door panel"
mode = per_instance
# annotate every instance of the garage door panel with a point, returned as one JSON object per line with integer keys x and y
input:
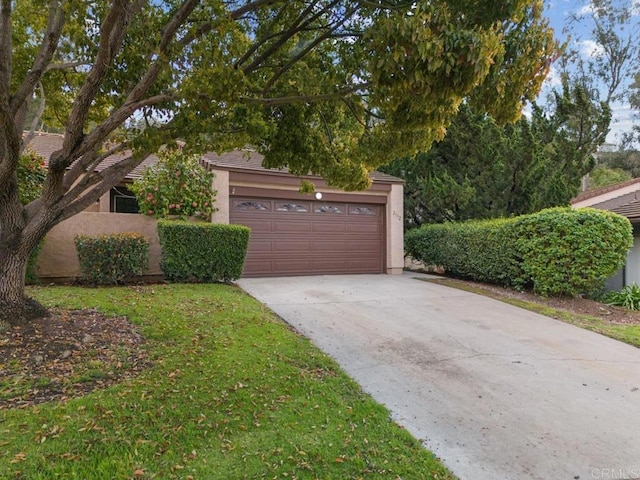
{"x": 328, "y": 246}
{"x": 299, "y": 238}
{"x": 295, "y": 265}
{"x": 364, "y": 228}
{"x": 257, "y": 245}
{"x": 291, "y": 227}
{"x": 290, "y": 246}
{"x": 328, "y": 227}
{"x": 365, "y": 246}
{"x": 257, "y": 226}
{"x": 364, "y": 264}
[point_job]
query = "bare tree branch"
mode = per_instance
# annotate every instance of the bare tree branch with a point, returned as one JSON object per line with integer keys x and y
{"x": 65, "y": 66}
{"x": 112, "y": 33}
{"x": 43, "y": 58}
{"x": 26, "y": 139}
{"x": 303, "y": 98}
{"x": 251, "y": 7}
{"x": 302, "y": 53}
{"x": 5, "y": 52}
{"x": 299, "y": 24}
{"x": 134, "y": 99}
{"x": 88, "y": 163}
{"x": 103, "y": 181}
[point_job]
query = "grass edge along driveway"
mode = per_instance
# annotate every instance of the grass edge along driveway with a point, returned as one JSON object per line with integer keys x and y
{"x": 234, "y": 393}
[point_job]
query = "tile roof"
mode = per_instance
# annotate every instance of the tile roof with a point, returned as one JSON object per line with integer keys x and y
{"x": 249, "y": 159}
{"x": 45, "y": 144}
{"x": 601, "y": 191}
{"x": 630, "y": 210}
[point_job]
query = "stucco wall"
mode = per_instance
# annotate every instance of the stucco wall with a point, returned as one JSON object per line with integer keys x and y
{"x": 395, "y": 230}
{"x": 221, "y": 186}
{"x": 58, "y": 257}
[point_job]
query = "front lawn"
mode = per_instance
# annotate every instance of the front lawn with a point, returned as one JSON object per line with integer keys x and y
{"x": 232, "y": 393}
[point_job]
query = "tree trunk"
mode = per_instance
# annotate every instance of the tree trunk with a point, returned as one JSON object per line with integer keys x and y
{"x": 15, "y": 308}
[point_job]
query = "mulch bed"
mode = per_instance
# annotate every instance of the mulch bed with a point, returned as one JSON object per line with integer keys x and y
{"x": 583, "y": 306}
{"x": 67, "y": 354}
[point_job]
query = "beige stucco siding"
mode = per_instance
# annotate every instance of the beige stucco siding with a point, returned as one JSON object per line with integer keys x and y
{"x": 58, "y": 257}
{"x": 395, "y": 230}
{"x": 221, "y": 185}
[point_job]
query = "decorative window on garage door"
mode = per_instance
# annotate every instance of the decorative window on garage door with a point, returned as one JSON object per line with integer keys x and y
{"x": 329, "y": 208}
{"x": 362, "y": 210}
{"x": 293, "y": 207}
{"x": 252, "y": 205}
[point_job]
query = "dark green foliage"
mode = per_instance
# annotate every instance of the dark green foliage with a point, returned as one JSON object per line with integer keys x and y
{"x": 567, "y": 251}
{"x": 31, "y": 278}
{"x": 628, "y": 297}
{"x": 603, "y": 176}
{"x": 480, "y": 250}
{"x": 31, "y": 176}
{"x": 485, "y": 170}
{"x": 112, "y": 259}
{"x": 202, "y": 252}
{"x": 557, "y": 251}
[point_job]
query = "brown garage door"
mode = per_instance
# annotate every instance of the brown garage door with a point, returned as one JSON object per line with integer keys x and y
{"x": 291, "y": 237}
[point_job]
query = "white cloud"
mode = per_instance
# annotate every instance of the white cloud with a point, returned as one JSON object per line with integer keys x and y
{"x": 621, "y": 122}
{"x": 554, "y": 79}
{"x": 589, "y": 48}
{"x": 586, "y": 10}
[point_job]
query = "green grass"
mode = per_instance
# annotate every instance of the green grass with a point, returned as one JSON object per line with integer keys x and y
{"x": 625, "y": 333}
{"x": 233, "y": 394}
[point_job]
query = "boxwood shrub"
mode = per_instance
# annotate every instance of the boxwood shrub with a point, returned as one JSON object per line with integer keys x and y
{"x": 113, "y": 258}
{"x": 566, "y": 251}
{"x": 558, "y": 251}
{"x": 202, "y": 252}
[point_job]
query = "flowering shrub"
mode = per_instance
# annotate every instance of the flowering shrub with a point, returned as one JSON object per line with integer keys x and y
{"x": 176, "y": 185}
{"x": 31, "y": 176}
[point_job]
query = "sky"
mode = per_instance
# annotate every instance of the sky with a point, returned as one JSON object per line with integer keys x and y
{"x": 558, "y": 12}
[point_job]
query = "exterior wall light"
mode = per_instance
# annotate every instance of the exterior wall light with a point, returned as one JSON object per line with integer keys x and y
{"x": 318, "y": 195}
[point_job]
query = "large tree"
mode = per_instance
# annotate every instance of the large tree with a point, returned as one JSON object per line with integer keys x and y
{"x": 482, "y": 169}
{"x": 332, "y": 87}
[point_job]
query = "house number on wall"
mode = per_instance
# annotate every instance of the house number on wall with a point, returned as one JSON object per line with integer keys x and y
{"x": 397, "y": 215}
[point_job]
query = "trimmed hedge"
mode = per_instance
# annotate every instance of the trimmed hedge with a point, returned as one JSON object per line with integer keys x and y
{"x": 112, "y": 259}
{"x": 558, "y": 251}
{"x": 202, "y": 252}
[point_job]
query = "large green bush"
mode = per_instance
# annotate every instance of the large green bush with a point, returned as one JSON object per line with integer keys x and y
{"x": 202, "y": 252}
{"x": 478, "y": 250}
{"x": 557, "y": 251}
{"x": 567, "y": 251}
{"x": 112, "y": 259}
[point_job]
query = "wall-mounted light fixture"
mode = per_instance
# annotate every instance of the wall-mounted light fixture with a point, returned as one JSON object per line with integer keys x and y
{"x": 318, "y": 195}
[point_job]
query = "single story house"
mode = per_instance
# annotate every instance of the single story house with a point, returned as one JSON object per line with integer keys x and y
{"x": 624, "y": 199}
{"x": 328, "y": 232}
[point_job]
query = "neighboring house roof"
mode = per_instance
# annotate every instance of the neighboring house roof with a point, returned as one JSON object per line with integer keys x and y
{"x": 598, "y": 195}
{"x": 630, "y": 210}
{"x": 622, "y": 198}
{"x": 45, "y": 144}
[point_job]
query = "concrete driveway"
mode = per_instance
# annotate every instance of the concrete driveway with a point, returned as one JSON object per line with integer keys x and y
{"x": 495, "y": 391}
